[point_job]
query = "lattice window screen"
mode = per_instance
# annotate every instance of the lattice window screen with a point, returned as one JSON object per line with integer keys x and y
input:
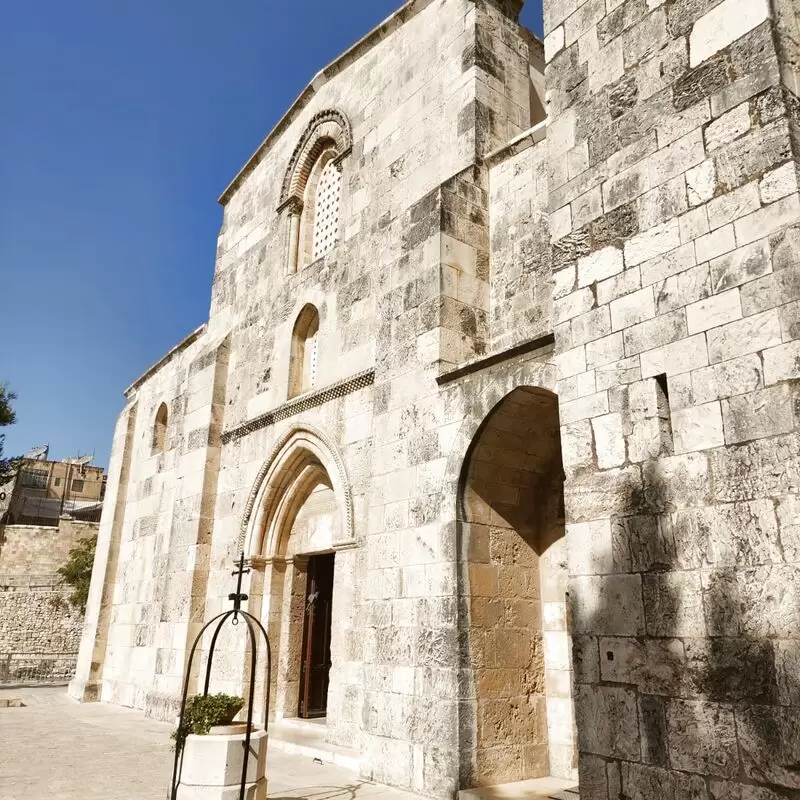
{"x": 311, "y": 355}
{"x": 326, "y": 210}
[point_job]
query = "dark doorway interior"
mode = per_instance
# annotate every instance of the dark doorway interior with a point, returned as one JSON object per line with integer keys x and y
{"x": 316, "y": 663}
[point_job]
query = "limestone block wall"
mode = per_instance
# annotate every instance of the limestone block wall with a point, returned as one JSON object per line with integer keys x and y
{"x": 521, "y": 295}
{"x": 40, "y": 550}
{"x": 39, "y": 629}
{"x": 414, "y": 214}
{"x": 156, "y": 531}
{"x": 674, "y": 192}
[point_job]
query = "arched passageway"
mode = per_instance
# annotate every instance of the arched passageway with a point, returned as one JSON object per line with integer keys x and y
{"x": 517, "y": 720}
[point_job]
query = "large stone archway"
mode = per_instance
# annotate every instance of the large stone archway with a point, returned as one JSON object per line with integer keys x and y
{"x": 516, "y": 719}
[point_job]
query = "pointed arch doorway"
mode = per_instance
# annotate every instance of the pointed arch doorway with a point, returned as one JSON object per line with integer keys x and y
{"x": 297, "y": 517}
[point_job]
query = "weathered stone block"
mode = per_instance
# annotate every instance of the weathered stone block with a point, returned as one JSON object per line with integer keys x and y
{"x": 769, "y": 740}
{"x": 731, "y": 669}
{"x": 607, "y": 721}
{"x": 655, "y": 666}
{"x": 727, "y": 535}
{"x": 651, "y": 783}
{"x": 768, "y": 412}
{"x": 673, "y": 604}
{"x": 702, "y": 738}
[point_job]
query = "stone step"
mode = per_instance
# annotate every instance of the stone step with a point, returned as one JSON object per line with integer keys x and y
{"x": 307, "y": 738}
{"x": 535, "y": 789}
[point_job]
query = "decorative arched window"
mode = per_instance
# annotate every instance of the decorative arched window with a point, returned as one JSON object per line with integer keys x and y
{"x": 304, "y": 352}
{"x": 160, "y": 429}
{"x": 325, "y": 221}
{"x": 312, "y": 189}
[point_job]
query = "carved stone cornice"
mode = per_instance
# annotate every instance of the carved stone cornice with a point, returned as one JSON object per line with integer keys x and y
{"x": 302, "y": 403}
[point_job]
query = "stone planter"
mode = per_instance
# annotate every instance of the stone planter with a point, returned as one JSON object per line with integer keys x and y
{"x": 212, "y": 765}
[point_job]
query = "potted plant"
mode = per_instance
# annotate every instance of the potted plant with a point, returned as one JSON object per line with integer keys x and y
{"x": 206, "y": 711}
{"x": 212, "y": 750}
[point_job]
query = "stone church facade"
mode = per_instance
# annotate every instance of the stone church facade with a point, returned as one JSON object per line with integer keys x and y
{"x": 499, "y": 397}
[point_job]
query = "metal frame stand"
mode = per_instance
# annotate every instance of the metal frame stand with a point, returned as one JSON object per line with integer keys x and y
{"x": 237, "y": 597}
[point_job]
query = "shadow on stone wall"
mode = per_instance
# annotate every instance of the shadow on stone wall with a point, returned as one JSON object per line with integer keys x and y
{"x": 687, "y": 661}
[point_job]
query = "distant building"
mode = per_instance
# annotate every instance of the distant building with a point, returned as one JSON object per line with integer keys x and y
{"x": 44, "y": 490}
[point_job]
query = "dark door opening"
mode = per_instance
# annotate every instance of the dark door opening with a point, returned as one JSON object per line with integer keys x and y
{"x": 316, "y": 664}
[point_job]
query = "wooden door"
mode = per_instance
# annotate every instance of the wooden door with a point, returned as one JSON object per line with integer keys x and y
{"x": 316, "y": 664}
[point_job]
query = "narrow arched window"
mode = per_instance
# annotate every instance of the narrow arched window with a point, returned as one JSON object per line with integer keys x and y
{"x": 304, "y": 352}
{"x": 319, "y": 226}
{"x": 326, "y": 210}
{"x": 160, "y": 429}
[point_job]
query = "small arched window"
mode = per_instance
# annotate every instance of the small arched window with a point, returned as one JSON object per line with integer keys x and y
{"x": 304, "y": 352}
{"x": 160, "y": 429}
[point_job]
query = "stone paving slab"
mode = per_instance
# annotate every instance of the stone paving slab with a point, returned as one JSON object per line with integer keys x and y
{"x": 57, "y": 749}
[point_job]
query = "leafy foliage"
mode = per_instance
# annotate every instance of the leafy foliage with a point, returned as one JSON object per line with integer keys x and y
{"x": 203, "y": 712}
{"x": 77, "y": 572}
{"x": 7, "y": 417}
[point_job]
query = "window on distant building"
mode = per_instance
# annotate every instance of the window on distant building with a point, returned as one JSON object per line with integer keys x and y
{"x": 160, "y": 430}
{"x": 304, "y": 352}
{"x": 77, "y": 486}
{"x": 33, "y": 478}
{"x": 56, "y": 481}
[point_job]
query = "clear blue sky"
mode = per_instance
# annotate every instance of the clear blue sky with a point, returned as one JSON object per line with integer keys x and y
{"x": 120, "y": 124}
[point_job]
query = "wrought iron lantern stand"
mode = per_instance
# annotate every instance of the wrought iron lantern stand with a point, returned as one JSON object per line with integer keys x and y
{"x": 237, "y": 597}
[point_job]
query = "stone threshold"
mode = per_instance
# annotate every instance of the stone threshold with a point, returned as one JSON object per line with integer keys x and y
{"x": 534, "y": 789}
{"x": 307, "y": 738}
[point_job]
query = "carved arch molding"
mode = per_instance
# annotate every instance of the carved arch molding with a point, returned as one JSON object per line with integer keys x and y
{"x": 329, "y": 129}
{"x": 293, "y": 462}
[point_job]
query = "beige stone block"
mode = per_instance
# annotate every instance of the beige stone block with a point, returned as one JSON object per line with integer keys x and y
{"x": 675, "y": 358}
{"x": 632, "y": 309}
{"x": 715, "y": 244}
{"x": 742, "y": 265}
{"x": 701, "y": 183}
{"x": 733, "y": 205}
{"x": 728, "y": 127}
{"x": 779, "y": 183}
{"x": 739, "y": 375}
{"x": 599, "y": 265}
{"x": 652, "y": 243}
{"x": 782, "y": 363}
{"x": 698, "y": 428}
{"x": 714, "y": 311}
{"x": 722, "y": 25}
{"x": 609, "y": 440}
{"x": 768, "y": 219}
{"x": 768, "y": 412}
{"x": 749, "y": 335}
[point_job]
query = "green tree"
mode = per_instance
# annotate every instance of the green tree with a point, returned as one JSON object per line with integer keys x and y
{"x": 77, "y": 572}
{"x": 7, "y": 417}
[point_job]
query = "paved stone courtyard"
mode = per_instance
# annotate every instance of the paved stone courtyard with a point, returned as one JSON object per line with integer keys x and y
{"x": 56, "y": 749}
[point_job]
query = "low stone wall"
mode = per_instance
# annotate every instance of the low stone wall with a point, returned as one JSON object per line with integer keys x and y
{"x": 39, "y": 629}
